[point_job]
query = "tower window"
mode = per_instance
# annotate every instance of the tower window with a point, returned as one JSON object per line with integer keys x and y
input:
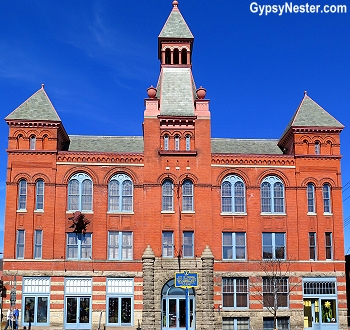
{"x": 32, "y": 142}
{"x": 184, "y": 56}
{"x": 166, "y": 142}
{"x": 317, "y": 148}
{"x": 176, "y": 56}
{"x": 177, "y": 142}
{"x": 188, "y": 142}
{"x": 167, "y": 56}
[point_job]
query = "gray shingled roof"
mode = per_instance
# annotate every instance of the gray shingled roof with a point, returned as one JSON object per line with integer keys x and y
{"x": 176, "y": 92}
{"x": 175, "y": 26}
{"x": 310, "y": 114}
{"x": 245, "y": 146}
{"x": 37, "y": 107}
{"x": 127, "y": 144}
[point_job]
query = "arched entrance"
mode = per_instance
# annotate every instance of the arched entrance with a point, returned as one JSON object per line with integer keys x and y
{"x": 174, "y": 307}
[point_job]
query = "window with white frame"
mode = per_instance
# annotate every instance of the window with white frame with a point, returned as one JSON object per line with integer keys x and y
{"x": 120, "y": 295}
{"x": 312, "y": 246}
{"x": 235, "y": 323}
{"x": 233, "y": 246}
{"x": 120, "y": 193}
{"x": 188, "y": 244}
{"x": 38, "y": 244}
{"x": 317, "y": 148}
{"x": 311, "y": 198}
{"x": 22, "y": 195}
{"x": 120, "y": 245}
{"x": 32, "y": 142}
{"x": 272, "y": 195}
{"x": 282, "y": 323}
{"x": 326, "y": 189}
{"x": 166, "y": 142}
{"x": 234, "y": 292}
{"x": 328, "y": 241}
{"x": 275, "y": 290}
{"x": 79, "y": 246}
{"x": 177, "y": 142}
{"x": 39, "y": 195}
{"x": 167, "y": 195}
{"x": 232, "y": 195}
{"x": 187, "y": 195}
{"x": 168, "y": 244}
{"x": 274, "y": 245}
{"x": 188, "y": 142}
{"x": 20, "y": 240}
{"x": 80, "y": 193}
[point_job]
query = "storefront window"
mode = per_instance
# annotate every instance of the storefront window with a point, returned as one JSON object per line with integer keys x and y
{"x": 329, "y": 312}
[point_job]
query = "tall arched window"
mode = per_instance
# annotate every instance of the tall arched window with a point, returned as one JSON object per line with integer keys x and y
{"x": 326, "y": 198}
{"x": 188, "y": 142}
{"x": 80, "y": 193}
{"x": 317, "y": 147}
{"x": 187, "y": 196}
{"x": 120, "y": 193}
{"x": 176, "y": 56}
{"x": 311, "y": 198}
{"x": 167, "y": 195}
{"x": 39, "y": 195}
{"x": 184, "y": 56}
{"x": 22, "y": 194}
{"x": 32, "y": 142}
{"x": 167, "y": 56}
{"x": 232, "y": 195}
{"x": 166, "y": 142}
{"x": 272, "y": 195}
{"x": 177, "y": 142}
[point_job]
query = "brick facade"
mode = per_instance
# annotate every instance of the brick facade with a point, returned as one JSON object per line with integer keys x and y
{"x": 56, "y": 157}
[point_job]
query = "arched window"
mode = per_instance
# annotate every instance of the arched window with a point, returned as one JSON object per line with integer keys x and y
{"x": 326, "y": 198}
{"x": 22, "y": 194}
{"x": 120, "y": 193}
{"x": 167, "y": 195}
{"x": 317, "y": 147}
{"x": 80, "y": 193}
{"x": 188, "y": 142}
{"x": 311, "y": 198}
{"x": 39, "y": 195}
{"x": 187, "y": 196}
{"x": 184, "y": 56}
{"x": 177, "y": 142}
{"x": 232, "y": 195}
{"x": 176, "y": 56}
{"x": 272, "y": 195}
{"x": 32, "y": 142}
{"x": 166, "y": 142}
{"x": 167, "y": 56}
{"x": 45, "y": 142}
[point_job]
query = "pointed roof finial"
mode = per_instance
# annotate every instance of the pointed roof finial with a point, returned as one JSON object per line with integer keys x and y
{"x": 42, "y": 86}
{"x": 175, "y": 3}
{"x": 305, "y": 93}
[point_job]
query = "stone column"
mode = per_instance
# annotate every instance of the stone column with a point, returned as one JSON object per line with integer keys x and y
{"x": 207, "y": 290}
{"x": 148, "y": 313}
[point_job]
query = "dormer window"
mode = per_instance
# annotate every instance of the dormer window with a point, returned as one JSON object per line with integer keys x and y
{"x": 166, "y": 142}
{"x": 32, "y": 142}
{"x": 177, "y": 142}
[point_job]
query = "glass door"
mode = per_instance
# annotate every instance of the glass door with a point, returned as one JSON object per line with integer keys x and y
{"x": 311, "y": 314}
{"x": 174, "y": 313}
{"x": 78, "y": 313}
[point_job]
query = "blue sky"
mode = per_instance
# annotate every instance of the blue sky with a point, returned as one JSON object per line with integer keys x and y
{"x": 97, "y": 58}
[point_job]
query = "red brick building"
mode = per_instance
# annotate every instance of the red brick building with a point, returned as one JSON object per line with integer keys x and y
{"x": 102, "y": 223}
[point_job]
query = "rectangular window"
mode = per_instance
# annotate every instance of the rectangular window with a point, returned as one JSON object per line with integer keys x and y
{"x": 235, "y": 323}
{"x": 282, "y": 323}
{"x": 274, "y": 245}
{"x": 120, "y": 245}
{"x": 20, "y": 244}
{"x": 234, "y": 292}
{"x": 233, "y": 246}
{"x": 168, "y": 244}
{"x": 187, "y": 245}
{"x": 275, "y": 289}
{"x": 38, "y": 244}
{"x": 312, "y": 245}
{"x": 329, "y": 254}
{"x": 39, "y": 198}
{"x": 79, "y": 246}
{"x": 120, "y": 292}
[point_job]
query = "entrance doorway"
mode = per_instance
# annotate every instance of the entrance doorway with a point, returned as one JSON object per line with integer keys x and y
{"x": 174, "y": 311}
{"x": 78, "y": 313}
{"x": 311, "y": 314}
